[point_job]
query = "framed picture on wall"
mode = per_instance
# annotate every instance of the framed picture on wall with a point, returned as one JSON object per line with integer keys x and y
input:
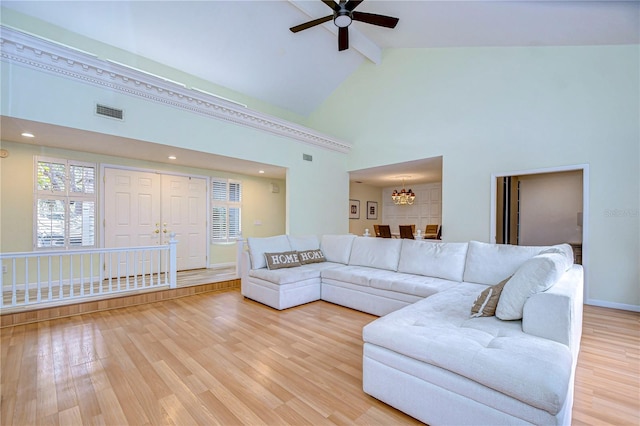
{"x": 354, "y": 209}
{"x": 372, "y": 210}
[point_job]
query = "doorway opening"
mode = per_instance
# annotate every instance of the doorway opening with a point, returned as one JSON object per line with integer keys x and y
{"x": 543, "y": 207}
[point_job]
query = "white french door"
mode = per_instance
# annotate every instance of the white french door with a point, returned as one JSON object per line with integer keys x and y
{"x": 183, "y": 211}
{"x": 143, "y": 208}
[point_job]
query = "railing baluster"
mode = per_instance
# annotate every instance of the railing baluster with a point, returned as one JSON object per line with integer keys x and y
{"x": 26, "y": 280}
{"x": 14, "y": 296}
{"x": 50, "y": 296}
{"x": 39, "y": 289}
{"x": 71, "y": 276}
{"x": 126, "y": 266}
{"x": 91, "y": 274}
{"x": 60, "y": 282}
{"x": 81, "y": 275}
{"x": 135, "y": 269}
{"x": 144, "y": 278}
{"x": 110, "y": 274}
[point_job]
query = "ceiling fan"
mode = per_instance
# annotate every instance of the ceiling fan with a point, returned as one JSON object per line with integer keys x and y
{"x": 343, "y": 15}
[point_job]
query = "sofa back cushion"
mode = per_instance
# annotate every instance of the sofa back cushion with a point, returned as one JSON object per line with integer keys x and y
{"x": 439, "y": 260}
{"x": 337, "y": 248}
{"x": 381, "y": 253}
{"x": 491, "y": 263}
{"x": 259, "y": 246}
{"x": 304, "y": 243}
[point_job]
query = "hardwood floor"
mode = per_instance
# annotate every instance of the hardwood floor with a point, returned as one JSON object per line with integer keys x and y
{"x": 217, "y": 358}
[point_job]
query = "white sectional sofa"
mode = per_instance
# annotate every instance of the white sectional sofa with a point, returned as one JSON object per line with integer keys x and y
{"x": 427, "y": 354}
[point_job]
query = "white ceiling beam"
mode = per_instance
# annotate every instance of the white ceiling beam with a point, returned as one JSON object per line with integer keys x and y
{"x": 358, "y": 41}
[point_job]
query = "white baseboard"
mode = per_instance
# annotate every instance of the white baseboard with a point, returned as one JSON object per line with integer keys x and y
{"x": 613, "y": 305}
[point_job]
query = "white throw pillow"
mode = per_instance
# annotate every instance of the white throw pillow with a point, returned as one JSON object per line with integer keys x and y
{"x": 535, "y": 275}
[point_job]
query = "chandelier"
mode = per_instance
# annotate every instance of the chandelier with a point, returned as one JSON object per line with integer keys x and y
{"x": 403, "y": 197}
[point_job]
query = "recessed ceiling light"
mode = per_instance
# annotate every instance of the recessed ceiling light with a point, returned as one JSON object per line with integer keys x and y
{"x": 172, "y": 157}
{"x": 28, "y": 135}
{"x": 261, "y": 171}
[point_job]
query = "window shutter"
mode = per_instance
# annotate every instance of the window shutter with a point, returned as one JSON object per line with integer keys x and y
{"x": 82, "y": 179}
{"x": 235, "y": 192}
{"x": 51, "y": 176}
{"x": 226, "y": 208}
{"x": 219, "y": 190}
{"x": 234, "y": 222}
{"x": 65, "y": 203}
{"x": 219, "y": 223}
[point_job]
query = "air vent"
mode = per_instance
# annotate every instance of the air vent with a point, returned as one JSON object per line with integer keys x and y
{"x": 106, "y": 111}
{"x": 307, "y": 157}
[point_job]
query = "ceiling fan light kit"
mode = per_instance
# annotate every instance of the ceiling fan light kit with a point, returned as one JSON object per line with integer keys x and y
{"x": 343, "y": 16}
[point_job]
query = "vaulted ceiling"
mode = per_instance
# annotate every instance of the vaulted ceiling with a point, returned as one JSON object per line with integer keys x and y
{"x": 246, "y": 46}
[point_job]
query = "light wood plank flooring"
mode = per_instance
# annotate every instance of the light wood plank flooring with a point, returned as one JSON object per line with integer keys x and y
{"x": 217, "y": 358}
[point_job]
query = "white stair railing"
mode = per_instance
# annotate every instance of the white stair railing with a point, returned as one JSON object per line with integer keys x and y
{"x": 32, "y": 278}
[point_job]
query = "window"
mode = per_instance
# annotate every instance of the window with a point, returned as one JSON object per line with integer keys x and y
{"x": 226, "y": 210}
{"x": 65, "y": 203}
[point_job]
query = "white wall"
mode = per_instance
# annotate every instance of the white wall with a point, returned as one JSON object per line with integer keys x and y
{"x": 492, "y": 110}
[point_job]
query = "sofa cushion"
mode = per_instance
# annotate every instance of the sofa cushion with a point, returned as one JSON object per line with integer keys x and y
{"x": 380, "y": 253}
{"x": 259, "y": 246}
{"x": 416, "y": 285}
{"x": 285, "y": 276}
{"x": 337, "y": 248}
{"x": 486, "y": 303}
{"x": 285, "y": 259}
{"x": 303, "y": 243}
{"x": 440, "y": 260}
{"x": 535, "y": 275}
{"x": 491, "y": 263}
{"x": 358, "y": 275}
{"x": 311, "y": 256}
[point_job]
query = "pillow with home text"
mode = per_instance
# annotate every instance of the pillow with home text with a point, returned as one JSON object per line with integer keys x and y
{"x": 285, "y": 259}
{"x": 311, "y": 256}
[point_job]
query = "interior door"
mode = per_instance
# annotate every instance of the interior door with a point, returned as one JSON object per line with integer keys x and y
{"x": 132, "y": 216}
{"x": 184, "y": 204}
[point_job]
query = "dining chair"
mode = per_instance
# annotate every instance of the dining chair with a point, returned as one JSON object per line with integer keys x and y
{"x": 406, "y": 232}
{"x": 431, "y": 232}
{"x": 385, "y": 231}
{"x": 376, "y": 230}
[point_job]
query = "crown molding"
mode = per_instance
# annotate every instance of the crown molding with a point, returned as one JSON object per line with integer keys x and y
{"x": 44, "y": 55}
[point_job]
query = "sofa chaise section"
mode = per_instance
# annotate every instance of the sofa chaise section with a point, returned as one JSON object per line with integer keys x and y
{"x": 436, "y": 362}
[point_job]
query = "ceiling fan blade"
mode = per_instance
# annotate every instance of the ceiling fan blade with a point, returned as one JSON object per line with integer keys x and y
{"x": 343, "y": 38}
{"x": 371, "y": 18}
{"x": 332, "y": 4}
{"x": 352, "y": 4}
{"x": 311, "y": 24}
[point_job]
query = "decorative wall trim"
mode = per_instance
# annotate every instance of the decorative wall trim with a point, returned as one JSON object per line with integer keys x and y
{"x": 27, "y": 50}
